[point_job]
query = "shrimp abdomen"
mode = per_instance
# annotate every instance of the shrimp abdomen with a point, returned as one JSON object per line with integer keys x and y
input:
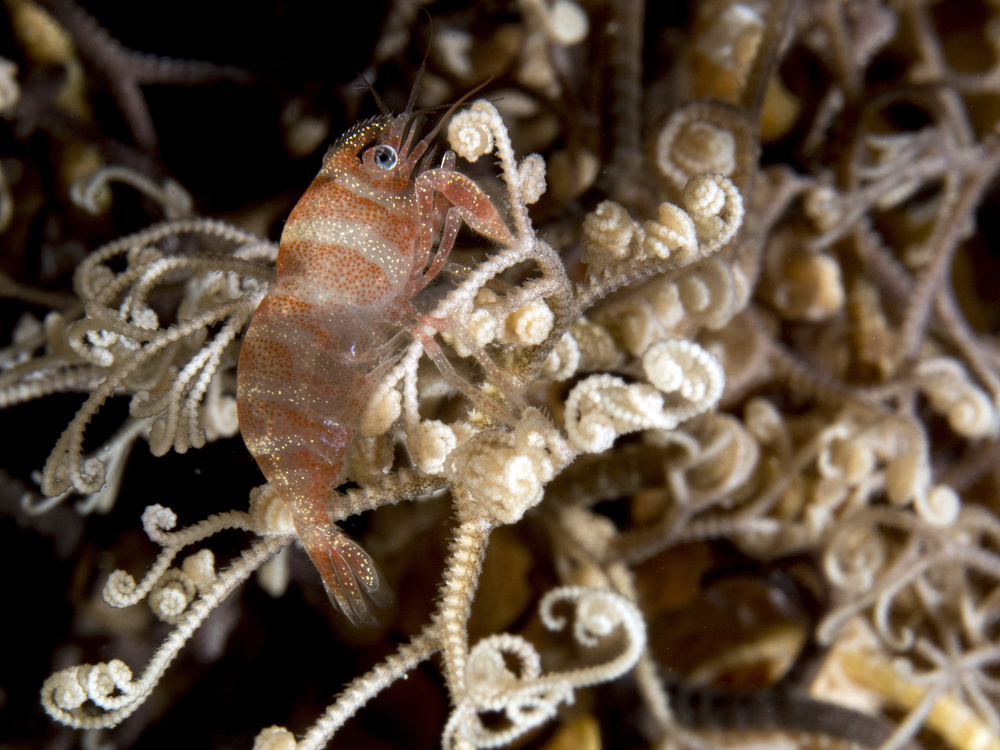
{"x": 299, "y": 398}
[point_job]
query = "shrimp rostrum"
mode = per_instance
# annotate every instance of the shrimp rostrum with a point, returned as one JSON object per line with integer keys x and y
{"x": 356, "y": 248}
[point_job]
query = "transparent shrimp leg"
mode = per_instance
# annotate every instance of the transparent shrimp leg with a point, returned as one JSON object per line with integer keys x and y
{"x": 452, "y": 223}
{"x": 506, "y": 413}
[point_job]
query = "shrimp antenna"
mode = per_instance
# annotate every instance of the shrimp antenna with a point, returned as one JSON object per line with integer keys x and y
{"x": 421, "y": 70}
{"x": 451, "y": 110}
{"x": 364, "y": 87}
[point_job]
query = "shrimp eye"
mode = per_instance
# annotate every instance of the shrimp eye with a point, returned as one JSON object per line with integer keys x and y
{"x": 385, "y": 157}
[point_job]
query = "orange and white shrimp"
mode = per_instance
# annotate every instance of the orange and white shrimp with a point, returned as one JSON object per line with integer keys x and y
{"x": 354, "y": 251}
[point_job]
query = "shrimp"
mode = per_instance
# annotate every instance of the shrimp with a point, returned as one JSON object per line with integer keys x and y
{"x": 356, "y": 248}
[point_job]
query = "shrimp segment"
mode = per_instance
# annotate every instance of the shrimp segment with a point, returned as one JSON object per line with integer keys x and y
{"x": 355, "y": 249}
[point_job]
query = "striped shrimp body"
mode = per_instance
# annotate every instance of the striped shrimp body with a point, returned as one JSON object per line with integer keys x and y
{"x": 354, "y": 251}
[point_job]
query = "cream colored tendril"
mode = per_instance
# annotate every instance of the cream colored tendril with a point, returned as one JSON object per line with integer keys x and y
{"x": 383, "y": 409}
{"x": 672, "y": 236}
{"x": 10, "y": 90}
{"x": 65, "y": 465}
{"x": 969, "y": 411}
{"x": 496, "y": 478}
{"x": 431, "y": 444}
{"x": 563, "y": 21}
{"x": 93, "y": 193}
{"x": 531, "y": 173}
{"x": 731, "y": 41}
{"x": 525, "y": 697}
{"x": 505, "y": 474}
{"x": 186, "y": 597}
{"x": 607, "y": 235}
{"x": 716, "y": 207}
{"x": 690, "y": 143}
{"x": 686, "y": 380}
{"x": 469, "y": 132}
{"x": 804, "y": 285}
{"x": 113, "y": 456}
{"x": 355, "y": 695}
{"x": 267, "y": 517}
{"x": 121, "y": 333}
{"x": 930, "y": 697}
{"x": 564, "y": 359}
{"x": 479, "y": 129}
